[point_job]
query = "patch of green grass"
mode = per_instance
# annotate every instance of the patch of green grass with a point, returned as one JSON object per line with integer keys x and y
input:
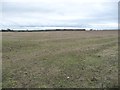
{"x": 60, "y": 59}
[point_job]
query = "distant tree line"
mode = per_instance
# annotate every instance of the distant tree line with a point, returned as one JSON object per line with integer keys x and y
{"x": 9, "y": 30}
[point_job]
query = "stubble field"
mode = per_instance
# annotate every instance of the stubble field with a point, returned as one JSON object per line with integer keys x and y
{"x": 60, "y": 59}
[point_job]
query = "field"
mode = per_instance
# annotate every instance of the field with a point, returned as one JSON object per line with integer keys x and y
{"x": 60, "y": 59}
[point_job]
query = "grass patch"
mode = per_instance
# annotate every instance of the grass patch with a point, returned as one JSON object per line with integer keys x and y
{"x": 60, "y": 59}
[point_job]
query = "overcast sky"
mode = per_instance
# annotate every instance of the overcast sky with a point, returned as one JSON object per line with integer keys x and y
{"x": 98, "y": 14}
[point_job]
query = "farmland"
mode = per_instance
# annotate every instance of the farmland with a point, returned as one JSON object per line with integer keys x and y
{"x": 60, "y": 59}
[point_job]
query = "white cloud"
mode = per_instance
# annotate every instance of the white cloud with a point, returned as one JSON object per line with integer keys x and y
{"x": 101, "y": 13}
{"x": 49, "y": 1}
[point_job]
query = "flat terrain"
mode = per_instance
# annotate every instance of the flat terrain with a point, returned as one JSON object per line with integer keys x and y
{"x": 60, "y": 59}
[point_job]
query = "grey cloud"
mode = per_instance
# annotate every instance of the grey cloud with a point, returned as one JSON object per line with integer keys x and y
{"x": 80, "y": 14}
{"x": 13, "y": 7}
